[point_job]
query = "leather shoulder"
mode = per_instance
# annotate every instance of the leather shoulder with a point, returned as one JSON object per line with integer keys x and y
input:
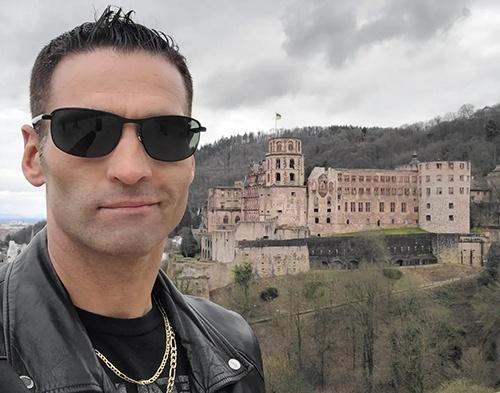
{"x": 231, "y": 325}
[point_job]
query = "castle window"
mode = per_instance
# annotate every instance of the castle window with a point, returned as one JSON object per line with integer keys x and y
{"x": 328, "y": 201}
{"x": 368, "y": 179}
{"x": 360, "y": 206}
{"x": 328, "y": 220}
{"x": 293, "y": 193}
{"x": 415, "y": 209}
{"x": 451, "y": 218}
{"x": 428, "y": 217}
{"x": 353, "y": 178}
{"x": 450, "y": 177}
{"x": 316, "y": 220}
{"x": 367, "y": 207}
{"x": 393, "y": 207}
{"x": 361, "y": 178}
{"x": 427, "y": 179}
{"x": 278, "y": 163}
{"x": 375, "y": 190}
{"x": 461, "y": 190}
{"x": 278, "y": 146}
{"x": 450, "y": 190}
{"x": 450, "y": 205}
{"x": 347, "y": 221}
{"x": 278, "y": 177}
{"x": 450, "y": 165}
{"x": 381, "y": 207}
{"x": 439, "y": 165}
{"x": 403, "y": 207}
{"x": 368, "y": 191}
{"x": 361, "y": 191}
{"x": 353, "y": 206}
{"x": 346, "y": 178}
{"x": 292, "y": 163}
{"x": 375, "y": 178}
{"x": 346, "y": 206}
{"x": 292, "y": 177}
{"x": 268, "y": 177}
{"x": 354, "y": 191}
{"x": 290, "y": 146}
{"x": 428, "y": 206}
{"x": 338, "y": 207}
{"x": 237, "y": 219}
{"x": 393, "y": 179}
{"x": 315, "y": 210}
{"x": 339, "y": 177}
{"x": 329, "y": 210}
{"x": 225, "y": 220}
{"x": 462, "y": 165}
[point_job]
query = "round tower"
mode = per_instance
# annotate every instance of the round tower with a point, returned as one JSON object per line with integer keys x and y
{"x": 284, "y": 162}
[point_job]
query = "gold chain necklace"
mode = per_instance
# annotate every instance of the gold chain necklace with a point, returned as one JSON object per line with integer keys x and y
{"x": 170, "y": 346}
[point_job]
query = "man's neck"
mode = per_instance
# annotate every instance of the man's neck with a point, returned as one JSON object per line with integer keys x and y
{"x": 118, "y": 286}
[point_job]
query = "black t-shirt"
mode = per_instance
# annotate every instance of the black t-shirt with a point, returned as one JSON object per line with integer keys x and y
{"x": 136, "y": 347}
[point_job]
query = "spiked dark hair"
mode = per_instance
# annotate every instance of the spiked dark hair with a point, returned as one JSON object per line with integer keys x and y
{"x": 114, "y": 29}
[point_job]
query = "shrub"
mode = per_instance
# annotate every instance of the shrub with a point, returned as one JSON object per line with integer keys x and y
{"x": 268, "y": 294}
{"x": 392, "y": 274}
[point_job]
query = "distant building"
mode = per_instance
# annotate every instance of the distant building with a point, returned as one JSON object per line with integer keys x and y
{"x": 276, "y": 202}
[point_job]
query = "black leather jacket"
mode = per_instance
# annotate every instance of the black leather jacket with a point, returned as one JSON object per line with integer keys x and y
{"x": 44, "y": 339}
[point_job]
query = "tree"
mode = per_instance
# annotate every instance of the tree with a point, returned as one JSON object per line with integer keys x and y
{"x": 189, "y": 245}
{"x": 365, "y": 294}
{"x": 243, "y": 275}
{"x": 369, "y": 248}
{"x": 491, "y": 273}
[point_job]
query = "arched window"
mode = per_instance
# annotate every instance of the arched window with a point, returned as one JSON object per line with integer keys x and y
{"x": 278, "y": 146}
{"x": 237, "y": 219}
{"x": 225, "y": 220}
{"x": 290, "y": 146}
{"x": 278, "y": 177}
{"x": 278, "y": 163}
{"x": 292, "y": 163}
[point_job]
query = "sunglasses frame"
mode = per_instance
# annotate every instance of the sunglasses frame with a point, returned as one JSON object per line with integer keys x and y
{"x": 123, "y": 121}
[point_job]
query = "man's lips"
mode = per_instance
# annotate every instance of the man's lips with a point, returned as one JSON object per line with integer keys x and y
{"x": 128, "y": 205}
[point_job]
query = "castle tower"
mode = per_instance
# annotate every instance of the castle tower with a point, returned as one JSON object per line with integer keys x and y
{"x": 284, "y": 162}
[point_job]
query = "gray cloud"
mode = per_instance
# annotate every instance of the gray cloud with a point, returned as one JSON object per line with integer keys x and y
{"x": 251, "y": 85}
{"x": 339, "y": 29}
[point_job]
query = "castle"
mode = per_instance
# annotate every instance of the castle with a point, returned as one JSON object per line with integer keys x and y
{"x": 274, "y": 201}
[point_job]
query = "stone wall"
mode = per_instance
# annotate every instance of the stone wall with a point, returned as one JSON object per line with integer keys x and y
{"x": 275, "y": 260}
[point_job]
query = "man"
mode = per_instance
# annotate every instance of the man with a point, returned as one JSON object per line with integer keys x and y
{"x": 85, "y": 307}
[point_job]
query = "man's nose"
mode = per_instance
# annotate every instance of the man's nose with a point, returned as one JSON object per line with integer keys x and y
{"x": 128, "y": 162}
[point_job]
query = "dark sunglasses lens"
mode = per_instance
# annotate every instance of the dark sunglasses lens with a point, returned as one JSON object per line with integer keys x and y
{"x": 170, "y": 138}
{"x": 85, "y": 133}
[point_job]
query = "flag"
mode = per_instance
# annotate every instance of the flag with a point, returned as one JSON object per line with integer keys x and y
{"x": 278, "y": 116}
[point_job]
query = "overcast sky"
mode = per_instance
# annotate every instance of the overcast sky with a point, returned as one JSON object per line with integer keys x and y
{"x": 316, "y": 62}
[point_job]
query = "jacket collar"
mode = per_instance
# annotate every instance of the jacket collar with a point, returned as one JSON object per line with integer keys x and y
{"x": 45, "y": 338}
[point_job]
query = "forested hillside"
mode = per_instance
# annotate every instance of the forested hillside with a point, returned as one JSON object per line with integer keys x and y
{"x": 466, "y": 135}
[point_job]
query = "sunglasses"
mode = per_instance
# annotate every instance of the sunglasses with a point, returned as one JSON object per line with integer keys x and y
{"x": 91, "y": 133}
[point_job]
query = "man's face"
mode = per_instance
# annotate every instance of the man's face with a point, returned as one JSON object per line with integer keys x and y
{"x": 125, "y": 203}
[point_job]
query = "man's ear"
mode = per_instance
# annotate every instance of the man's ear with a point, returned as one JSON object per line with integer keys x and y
{"x": 31, "y": 164}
